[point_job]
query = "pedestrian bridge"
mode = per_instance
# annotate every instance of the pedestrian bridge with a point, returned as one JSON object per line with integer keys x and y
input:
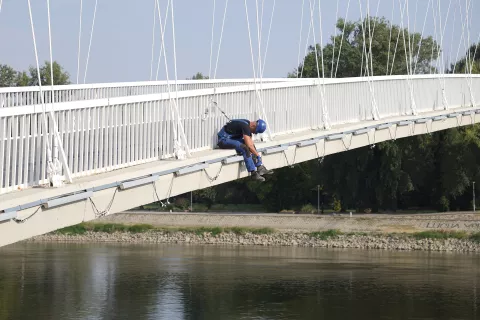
{"x": 80, "y": 152}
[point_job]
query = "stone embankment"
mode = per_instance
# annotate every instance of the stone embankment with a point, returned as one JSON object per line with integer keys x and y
{"x": 385, "y": 242}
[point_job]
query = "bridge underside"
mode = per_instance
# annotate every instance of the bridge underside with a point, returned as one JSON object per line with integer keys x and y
{"x": 49, "y": 209}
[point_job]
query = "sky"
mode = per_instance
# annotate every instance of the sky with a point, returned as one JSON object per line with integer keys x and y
{"x": 121, "y": 47}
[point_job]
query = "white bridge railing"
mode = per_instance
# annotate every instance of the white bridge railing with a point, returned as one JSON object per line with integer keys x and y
{"x": 106, "y": 134}
{"x": 24, "y": 96}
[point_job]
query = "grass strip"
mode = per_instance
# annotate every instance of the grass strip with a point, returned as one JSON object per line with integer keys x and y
{"x": 83, "y": 228}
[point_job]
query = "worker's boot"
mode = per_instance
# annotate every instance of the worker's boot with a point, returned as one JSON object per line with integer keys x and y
{"x": 263, "y": 171}
{"x": 256, "y": 176}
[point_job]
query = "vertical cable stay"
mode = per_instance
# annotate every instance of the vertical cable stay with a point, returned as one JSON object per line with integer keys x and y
{"x": 211, "y": 42}
{"x": 390, "y": 39}
{"x": 221, "y": 38}
{"x": 326, "y": 119}
{"x": 300, "y": 36}
{"x": 409, "y": 81}
{"x": 268, "y": 38}
{"x": 153, "y": 38}
{"x": 442, "y": 59}
{"x": 1, "y": 2}
{"x": 434, "y": 14}
{"x": 259, "y": 48}
{"x": 56, "y": 169}
{"x": 374, "y": 111}
{"x": 451, "y": 41}
{"x": 462, "y": 37}
{"x": 79, "y": 40}
{"x": 334, "y": 39}
{"x": 402, "y": 11}
{"x": 421, "y": 38}
{"x": 343, "y": 36}
{"x": 262, "y": 111}
{"x": 372, "y": 33}
{"x": 162, "y": 31}
{"x": 310, "y": 26}
{"x": 91, "y": 37}
{"x": 179, "y": 122}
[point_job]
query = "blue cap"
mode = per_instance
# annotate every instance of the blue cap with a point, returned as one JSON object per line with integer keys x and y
{"x": 261, "y": 126}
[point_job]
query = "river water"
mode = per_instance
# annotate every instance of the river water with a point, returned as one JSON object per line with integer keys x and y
{"x": 114, "y": 281}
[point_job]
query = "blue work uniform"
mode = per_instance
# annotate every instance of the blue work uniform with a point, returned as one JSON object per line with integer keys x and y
{"x": 231, "y": 137}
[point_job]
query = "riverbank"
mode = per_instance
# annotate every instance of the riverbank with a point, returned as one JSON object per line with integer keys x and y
{"x": 457, "y": 241}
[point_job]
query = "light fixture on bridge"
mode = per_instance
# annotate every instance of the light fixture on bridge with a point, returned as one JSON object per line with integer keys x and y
{"x": 191, "y": 169}
{"x": 138, "y": 182}
{"x": 52, "y": 203}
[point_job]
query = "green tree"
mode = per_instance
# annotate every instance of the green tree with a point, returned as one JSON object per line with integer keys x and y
{"x": 8, "y": 76}
{"x": 60, "y": 76}
{"x": 199, "y": 76}
{"x": 384, "y": 49}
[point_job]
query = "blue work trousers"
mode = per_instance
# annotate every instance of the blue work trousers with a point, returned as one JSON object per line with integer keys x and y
{"x": 225, "y": 142}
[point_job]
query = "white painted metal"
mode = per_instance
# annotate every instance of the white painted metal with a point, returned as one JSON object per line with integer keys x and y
{"x": 25, "y": 96}
{"x": 106, "y": 134}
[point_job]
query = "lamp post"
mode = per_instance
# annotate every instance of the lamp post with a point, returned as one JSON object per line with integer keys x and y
{"x": 473, "y": 189}
{"x": 318, "y": 199}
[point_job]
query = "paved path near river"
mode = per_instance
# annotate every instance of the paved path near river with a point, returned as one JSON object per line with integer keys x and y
{"x": 469, "y": 222}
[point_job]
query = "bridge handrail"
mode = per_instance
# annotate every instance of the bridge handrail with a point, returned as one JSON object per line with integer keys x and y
{"x": 133, "y": 84}
{"x": 84, "y": 104}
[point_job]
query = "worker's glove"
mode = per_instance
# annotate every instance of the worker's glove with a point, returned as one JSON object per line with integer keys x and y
{"x": 258, "y": 161}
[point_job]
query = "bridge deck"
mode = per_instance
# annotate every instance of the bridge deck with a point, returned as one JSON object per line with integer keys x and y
{"x": 108, "y": 198}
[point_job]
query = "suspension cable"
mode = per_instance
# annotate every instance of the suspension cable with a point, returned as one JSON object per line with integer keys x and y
{"x": 91, "y": 36}
{"x": 179, "y": 123}
{"x": 211, "y": 41}
{"x": 300, "y": 36}
{"x": 162, "y": 30}
{"x": 58, "y": 145}
{"x": 421, "y": 38}
{"x": 343, "y": 36}
{"x": 262, "y": 111}
{"x": 402, "y": 11}
{"x": 163, "y": 48}
{"x": 79, "y": 40}
{"x": 310, "y": 26}
{"x": 49, "y": 149}
{"x": 268, "y": 38}
{"x": 462, "y": 35}
{"x": 153, "y": 38}
{"x": 334, "y": 40}
{"x": 221, "y": 38}
{"x": 390, "y": 39}
{"x": 453, "y": 33}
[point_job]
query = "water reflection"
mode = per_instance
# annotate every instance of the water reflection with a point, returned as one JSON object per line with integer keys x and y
{"x": 72, "y": 281}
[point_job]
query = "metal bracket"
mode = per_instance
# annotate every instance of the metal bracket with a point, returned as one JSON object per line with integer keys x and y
{"x": 275, "y": 149}
{"x": 138, "y": 182}
{"x": 52, "y": 203}
{"x": 191, "y": 169}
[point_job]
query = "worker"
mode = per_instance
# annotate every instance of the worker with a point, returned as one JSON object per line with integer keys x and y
{"x": 237, "y": 134}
